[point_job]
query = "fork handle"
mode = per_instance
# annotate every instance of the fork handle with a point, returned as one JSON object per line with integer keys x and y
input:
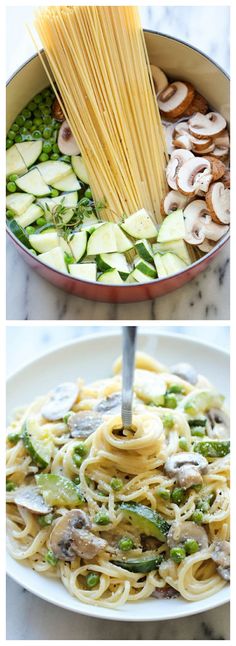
{"x": 128, "y": 353}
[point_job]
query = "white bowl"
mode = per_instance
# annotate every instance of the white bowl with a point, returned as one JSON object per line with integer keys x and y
{"x": 92, "y": 358}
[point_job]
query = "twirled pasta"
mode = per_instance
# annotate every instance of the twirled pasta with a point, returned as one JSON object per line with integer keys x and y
{"x": 135, "y": 459}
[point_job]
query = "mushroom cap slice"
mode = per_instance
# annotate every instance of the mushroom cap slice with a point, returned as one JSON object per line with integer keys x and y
{"x": 199, "y": 104}
{"x": 185, "y": 371}
{"x": 186, "y": 468}
{"x": 181, "y": 531}
{"x": 221, "y": 556}
{"x": 71, "y": 537}
{"x": 174, "y": 201}
{"x": 219, "y": 423}
{"x": 61, "y": 401}
{"x": 178, "y": 158}
{"x": 57, "y": 111}
{"x": 160, "y": 79}
{"x": 218, "y": 202}
{"x": 30, "y": 498}
{"x": 84, "y": 423}
{"x": 206, "y": 246}
{"x": 168, "y": 132}
{"x": 217, "y": 167}
{"x": 182, "y": 141}
{"x": 66, "y": 141}
{"x": 175, "y": 99}
{"x": 110, "y": 404}
{"x": 226, "y": 179}
{"x": 221, "y": 153}
{"x": 193, "y": 175}
{"x": 196, "y": 217}
{"x": 222, "y": 140}
{"x": 208, "y": 125}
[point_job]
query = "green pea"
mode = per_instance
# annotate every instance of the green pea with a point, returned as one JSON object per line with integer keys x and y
{"x": 10, "y": 213}
{"x": 88, "y": 193}
{"x": 13, "y": 177}
{"x": 177, "y": 389}
{"x": 183, "y": 444}
{"x": 47, "y": 132}
{"x": 9, "y": 143}
{"x": 163, "y": 493}
{"x": 37, "y": 113}
{"x": 38, "y": 98}
{"x": 11, "y": 135}
{"x": 55, "y": 148}
{"x": 20, "y": 120}
{"x": 38, "y": 121}
{"x": 28, "y": 137}
{"x": 41, "y": 222}
{"x": 47, "y": 147}
{"x": 43, "y": 157}
{"x": 178, "y": 495}
{"x": 14, "y": 437}
{"x": 102, "y": 518}
{"x": 54, "y": 156}
{"x": 125, "y": 544}
{"x": 191, "y": 546}
{"x": 10, "y": 486}
{"x": 92, "y": 579}
{"x": 37, "y": 134}
{"x": 45, "y": 520}
{"x": 46, "y": 92}
{"x": 171, "y": 400}
{"x": 177, "y": 554}
{"x": 197, "y": 517}
{"x": 11, "y": 187}
{"x": 116, "y": 484}
{"x": 48, "y": 100}
{"x": 23, "y": 130}
{"x": 203, "y": 505}
{"x": 51, "y": 558}
{"x": 81, "y": 449}
{"x": 32, "y": 106}
{"x": 47, "y": 119}
{"x": 54, "y": 192}
{"x": 45, "y": 108}
{"x": 77, "y": 459}
{"x": 15, "y": 127}
{"x": 29, "y": 230}
{"x": 26, "y": 113}
{"x": 28, "y": 123}
{"x": 18, "y": 139}
{"x": 65, "y": 158}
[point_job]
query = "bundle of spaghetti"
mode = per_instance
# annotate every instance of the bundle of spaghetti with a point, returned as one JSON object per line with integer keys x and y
{"x": 98, "y": 58}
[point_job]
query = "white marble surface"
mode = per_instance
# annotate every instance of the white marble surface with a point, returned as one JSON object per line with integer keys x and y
{"x": 37, "y": 619}
{"x": 28, "y": 295}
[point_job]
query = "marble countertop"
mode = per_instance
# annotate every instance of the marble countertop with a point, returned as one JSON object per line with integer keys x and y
{"x": 37, "y": 619}
{"x": 207, "y": 297}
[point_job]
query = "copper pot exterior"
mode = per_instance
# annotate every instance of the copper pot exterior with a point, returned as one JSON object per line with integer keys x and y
{"x": 178, "y": 60}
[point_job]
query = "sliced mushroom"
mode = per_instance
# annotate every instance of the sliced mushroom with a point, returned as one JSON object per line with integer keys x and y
{"x": 66, "y": 141}
{"x": 181, "y": 128}
{"x": 185, "y": 371}
{"x": 169, "y": 131}
{"x": 186, "y": 468}
{"x": 194, "y": 175}
{"x": 218, "y": 202}
{"x": 199, "y": 104}
{"x": 84, "y": 423}
{"x": 222, "y": 140}
{"x": 182, "y": 141}
{"x": 218, "y": 423}
{"x": 208, "y": 125}
{"x": 226, "y": 179}
{"x": 174, "y": 201}
{"x": 206, "y": 246}
{"x": 221, "y": 556}
{"x": 111, "y": 403}
{"x": 215, "y": 231}
{"x": 175, "y": 99}
{"x": 57, "y": 112}
{"x": 30, "y": 498}
{"x": 178, "y": 159}
{"x": 196, "y": 217}
{"x": 71, "y": 537}
{"x": 201, "y": 145}
{"x": 181, "y": 531}
{"x": 61, "y": 401}
{"x": 221, "y": 153}
{"x": 159, "y": 79}
{"x": 165, "y": 593}
{"x": 217, "y": 167}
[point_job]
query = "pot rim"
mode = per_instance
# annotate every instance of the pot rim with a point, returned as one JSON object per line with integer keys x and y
{"x": 196, "y": 263}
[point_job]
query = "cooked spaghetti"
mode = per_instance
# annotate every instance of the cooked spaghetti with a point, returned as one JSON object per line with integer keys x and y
{"x": 121, "y": 515}
{"x": 98, "y": 58}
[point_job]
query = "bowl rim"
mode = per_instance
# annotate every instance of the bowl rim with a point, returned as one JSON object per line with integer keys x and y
{"x": 87, "y": 609}
{"x": 146, "y": 283}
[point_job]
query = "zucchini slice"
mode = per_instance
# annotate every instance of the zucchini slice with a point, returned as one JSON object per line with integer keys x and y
{"x": 37, "y": 442}
{"x": 212, "y": 448}
{"x": 102, "y": 240}
{"x": 53, "y": 171}
{"x": 149, "y": 522}
{"x": 142, "y": 564}
{"x": 144, "y": 250}
{"x": 140, "y": 225}
{"x": 59, "y": 491}
{"x": 43, "y": 242}
{"x": 77, "y": 245}
{"x": 54, "y": 258}
{"x": 145, "y": 267}
{"x": 172, "y": 227}
{"x": 113, "y": 261}
{"x": 201, "y": 401}
{"x": 14, "y": 162}
{"x": 29, "y": 216}
{"x": 19, "y": 232}
{"x": 159, "y": 264}
{"x": 84, "y": 271}
{"x": 30, "y": 151}
{"x": 32, "y": 182}
{"x": 178, "y": 247}
{"x": 111, "y": 277}
{"x": 79, "y": 168}
{"x": 68, "y": 183}
{"x": 19, "y": 202}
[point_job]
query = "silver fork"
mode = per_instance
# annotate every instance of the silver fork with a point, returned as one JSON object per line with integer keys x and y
{"x": 128, "y": 354}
